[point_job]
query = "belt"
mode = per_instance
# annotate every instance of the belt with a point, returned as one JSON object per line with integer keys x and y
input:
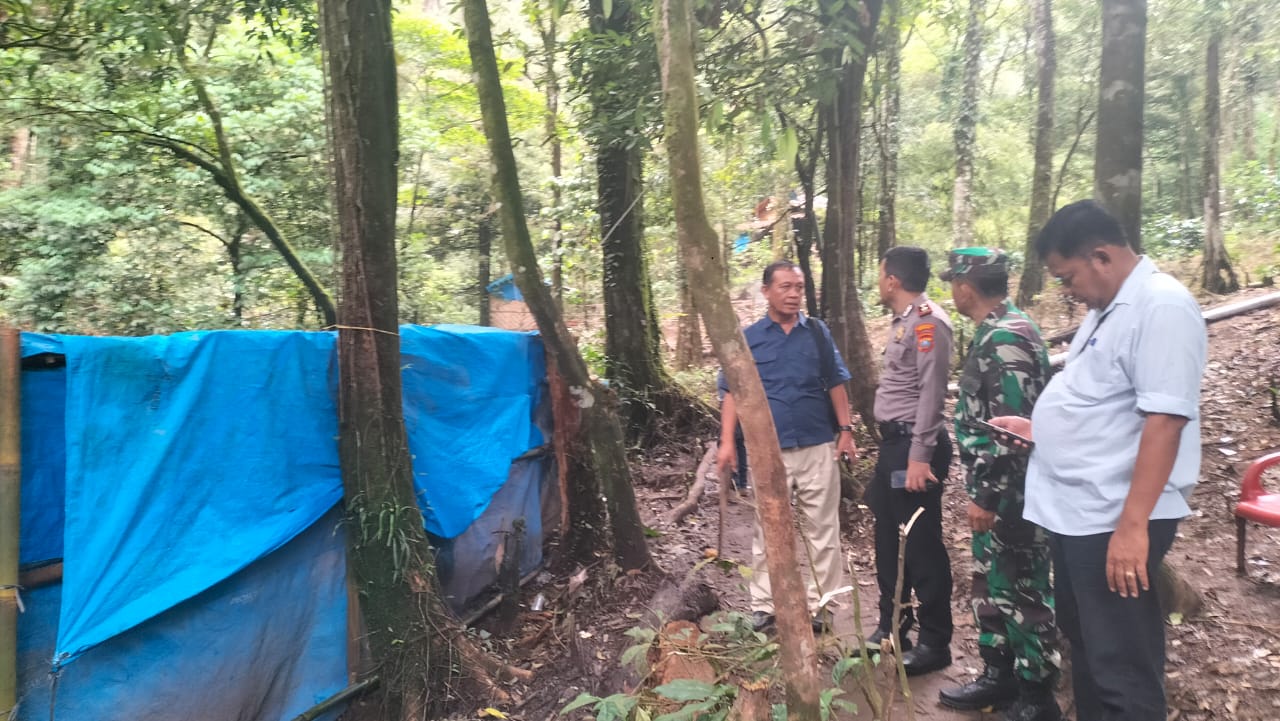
{"x": 895, "y": 429}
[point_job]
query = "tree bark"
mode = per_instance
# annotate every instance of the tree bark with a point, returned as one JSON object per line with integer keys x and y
{"x": 966, "y": 130}
{"x": 19, "y": 154}
{"x": 1216, "y": 262}
{"x": 604, "y": 437}
{"x": 890, "y": 143}
{"x": 484, "y": 252}
{"x": 841, "y": 306}
{"x": 688, "y": 330}
{"x": 390, "y": 558}
{"x": 1042, "y": 176}
{"x": 701, "y": 254}
{"x": 1117, "y": 163}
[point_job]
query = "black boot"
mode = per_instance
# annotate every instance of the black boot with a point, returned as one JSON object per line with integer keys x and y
{"x": 996, "y": 688}
{"x": 1035, "y": 703}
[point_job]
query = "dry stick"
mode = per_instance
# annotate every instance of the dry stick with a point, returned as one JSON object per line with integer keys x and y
{"x": 865, "y": 679}
{"x": 903, "y": 532}
{"x": 726, "y": 477}
{"x": 696, "y": 490}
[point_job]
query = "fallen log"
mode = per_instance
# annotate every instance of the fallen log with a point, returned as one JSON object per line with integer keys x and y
{"x": 1211, "y": 315}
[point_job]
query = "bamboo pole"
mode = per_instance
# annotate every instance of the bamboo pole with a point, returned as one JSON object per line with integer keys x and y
{"x": 10, "y": 487}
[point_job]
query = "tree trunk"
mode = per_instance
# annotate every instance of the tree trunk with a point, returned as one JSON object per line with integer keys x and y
{"x": 806, "y": 238}
{"x": 688, "y": 330}
{"x": 1216, "y": 262}
{"x": 891, "y": 48}
{"x": 600, "y": 421}
{"x": 701, "y": 253}
{"x": 551, "y": 90}
{"x": 484, "y": 253}
{"x": 966, "y": 130}
{"x": 841, "y": 306}
{"x": 1042, "y": 176}
{"x": 1117, "y": 162}
{"x": 390, "y": 558}
{"x": 632, "y": 341}
{"x": 19, "y": 154}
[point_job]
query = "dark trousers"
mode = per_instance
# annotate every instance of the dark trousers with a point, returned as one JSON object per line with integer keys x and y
{"x": 927, "y": 569}
{"x": 1117, "y": 643}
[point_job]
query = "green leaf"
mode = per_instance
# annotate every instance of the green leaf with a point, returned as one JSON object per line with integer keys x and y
{"x": 844, "y": 666}
{"x": 607, "y": 9}
{"x": 788, "y": 144}
{"x": 778, "y": 712}
{"x": 642, "y": 714}
{"x": 688, "y": 711}
{"x": 616, "y": 707}
{"x": 686, "y": 689}
{"x": 1175, "y": 619}
{"x": 583, "y": 699}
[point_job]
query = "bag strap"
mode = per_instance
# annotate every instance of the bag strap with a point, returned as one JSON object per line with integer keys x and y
{"x": 826, "y": 352}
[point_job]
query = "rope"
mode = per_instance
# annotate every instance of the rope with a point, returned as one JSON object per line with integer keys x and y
{"x": 356, "y": 327}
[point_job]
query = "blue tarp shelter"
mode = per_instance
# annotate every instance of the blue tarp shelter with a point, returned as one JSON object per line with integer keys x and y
{"x": 190, "y": 486}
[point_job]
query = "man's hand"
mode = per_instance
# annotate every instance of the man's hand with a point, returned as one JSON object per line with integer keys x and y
{"x": 981, "y": 520}
{"x": 845, "y": 447}
{"x": 1127, "y": 561}
{"x": 726, "y": 457}
{"x": 918, "y": 476}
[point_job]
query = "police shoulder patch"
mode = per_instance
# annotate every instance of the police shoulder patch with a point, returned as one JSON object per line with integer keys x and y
{"x": 924, "y": 310}
{"x": 924, "y": 337}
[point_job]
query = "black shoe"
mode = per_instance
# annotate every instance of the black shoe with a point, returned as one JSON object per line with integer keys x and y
{"x": 925, "y": 658}
{"x": 879, "y": 636}
{"x": 996, "y": 688}
{"x": 1035, "y": 703}
{"x": 823, "y": 621}
{"x": 761, "y": 620}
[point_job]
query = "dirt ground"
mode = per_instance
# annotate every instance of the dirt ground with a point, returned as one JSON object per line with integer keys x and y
{"x": 1223, "y": 663}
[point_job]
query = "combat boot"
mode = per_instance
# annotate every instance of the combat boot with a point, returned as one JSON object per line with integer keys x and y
{"x": 1035, "y": 703}
{"x": 997, "y": 687}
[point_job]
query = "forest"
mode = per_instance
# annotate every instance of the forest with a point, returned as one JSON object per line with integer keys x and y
{"x": 174, "y": 165}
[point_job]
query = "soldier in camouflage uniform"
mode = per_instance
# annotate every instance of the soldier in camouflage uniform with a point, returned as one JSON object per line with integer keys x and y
{"x": 1006, "y": 368}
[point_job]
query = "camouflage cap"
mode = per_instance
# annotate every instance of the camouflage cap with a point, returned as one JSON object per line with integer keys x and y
{"x": 975, "y": 262}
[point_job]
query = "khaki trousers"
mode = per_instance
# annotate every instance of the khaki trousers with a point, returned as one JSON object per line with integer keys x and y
{"x": 814, "y": 480}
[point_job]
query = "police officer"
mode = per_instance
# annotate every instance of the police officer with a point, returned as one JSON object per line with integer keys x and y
{"x": 915, "y": 454}
{"x": 1006, "y": 368}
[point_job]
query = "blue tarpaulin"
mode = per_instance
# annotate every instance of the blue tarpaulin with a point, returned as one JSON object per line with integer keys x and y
{"x": 161, "y": 469}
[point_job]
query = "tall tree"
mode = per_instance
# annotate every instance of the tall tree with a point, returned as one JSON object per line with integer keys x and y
{"x": 1042, "y": 175}
{"x": 1219, "y": 277}
{"x": 700, "y": 250}
{"x": 603, "y": 438}
{"x": 1117, "y": 161}
{"x": 889, "y": 130}
{"x": 966, "y": 127}
{"x": 851, "y": 29}
{"x": 620, "y": 81}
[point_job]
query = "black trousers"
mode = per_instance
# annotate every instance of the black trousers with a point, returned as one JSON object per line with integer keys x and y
{"x": 927, "y": 569}
{"x": 1117, "y": 643}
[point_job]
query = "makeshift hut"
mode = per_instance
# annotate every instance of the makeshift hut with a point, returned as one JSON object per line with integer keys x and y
{"x": 189, "y": 488}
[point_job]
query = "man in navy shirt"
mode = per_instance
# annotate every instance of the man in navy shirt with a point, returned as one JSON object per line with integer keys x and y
{"x": 803, "y": 377}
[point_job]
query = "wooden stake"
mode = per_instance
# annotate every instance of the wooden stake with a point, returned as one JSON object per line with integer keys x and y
{"x": 10, "y": 496}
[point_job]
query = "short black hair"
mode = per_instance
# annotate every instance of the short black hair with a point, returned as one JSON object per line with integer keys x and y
{"x": 988, "y": 286}
{"x": 1078, "y": 228}
{"x": 910, "y": 265}
{"x": 779, "y": 265}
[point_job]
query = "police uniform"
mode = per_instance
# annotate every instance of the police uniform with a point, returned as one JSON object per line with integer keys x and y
{"x": 1005, "y": 370}
{"x": 908, "y": 409}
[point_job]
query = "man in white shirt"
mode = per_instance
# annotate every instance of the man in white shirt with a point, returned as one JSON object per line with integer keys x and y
{"x": 1117, "y": 454}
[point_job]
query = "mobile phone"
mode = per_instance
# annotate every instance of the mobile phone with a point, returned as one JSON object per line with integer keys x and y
{"x": 898, "y": 479}
{"x": 1004, "y": 437}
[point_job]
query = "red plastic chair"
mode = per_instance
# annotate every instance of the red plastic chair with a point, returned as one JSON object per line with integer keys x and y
{"x": 1255, "y": 505}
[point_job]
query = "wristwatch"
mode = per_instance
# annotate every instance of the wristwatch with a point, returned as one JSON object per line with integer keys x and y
{"x": 845, "y": 428}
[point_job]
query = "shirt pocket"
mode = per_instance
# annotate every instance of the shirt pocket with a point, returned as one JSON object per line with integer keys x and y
{"x": 1096, "y": 376}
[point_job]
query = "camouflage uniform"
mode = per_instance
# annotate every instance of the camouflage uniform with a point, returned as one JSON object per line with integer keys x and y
{"x": 1005, "y": 369}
